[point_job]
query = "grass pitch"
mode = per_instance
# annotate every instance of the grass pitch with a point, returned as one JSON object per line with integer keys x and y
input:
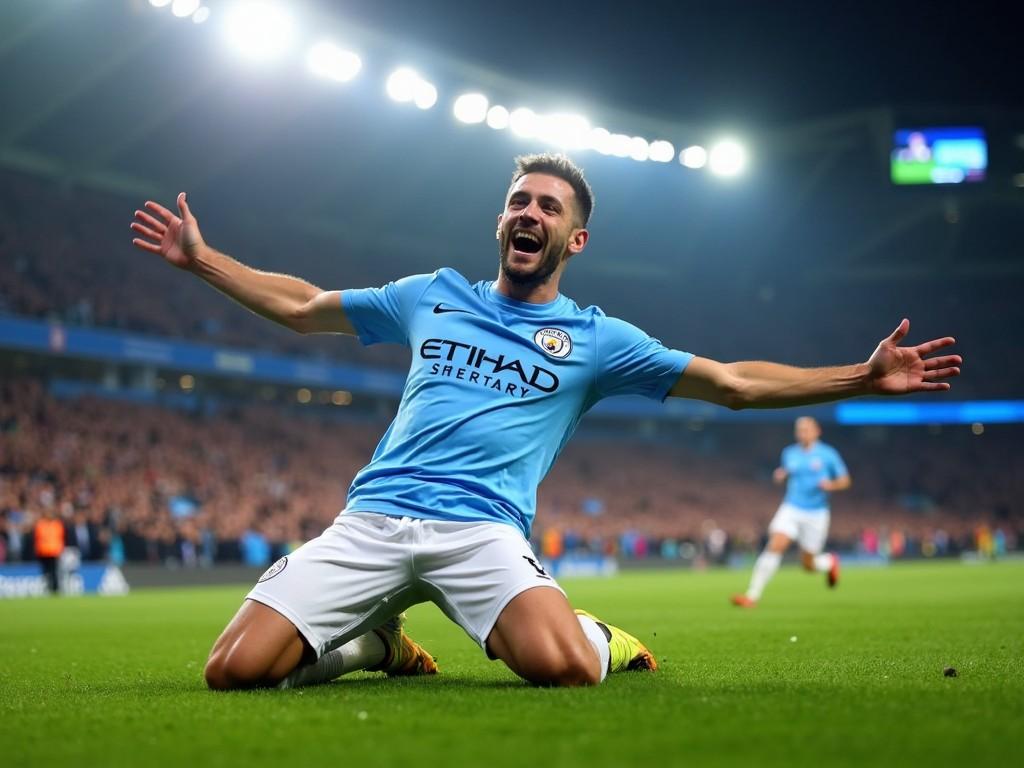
{"x": 810, "y": 677}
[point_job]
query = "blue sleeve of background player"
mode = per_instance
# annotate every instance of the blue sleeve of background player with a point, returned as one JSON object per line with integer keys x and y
{"x": 384, "y": 314}
{"x": 836, "y": 466}
{"x": 629, "y": 362}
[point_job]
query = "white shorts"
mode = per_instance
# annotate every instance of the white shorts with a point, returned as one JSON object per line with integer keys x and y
{"x": 807, "y": 527}
{"x": 366, "y": 568}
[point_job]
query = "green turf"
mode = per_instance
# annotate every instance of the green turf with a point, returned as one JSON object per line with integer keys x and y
{"x": 118, "y": 681}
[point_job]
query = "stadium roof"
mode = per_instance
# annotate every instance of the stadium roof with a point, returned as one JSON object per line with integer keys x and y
{"x": 124, "y": 97}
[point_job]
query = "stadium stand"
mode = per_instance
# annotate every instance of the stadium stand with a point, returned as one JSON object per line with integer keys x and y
{"x": 248, "y": 481}
{"x": 252, "y": 481}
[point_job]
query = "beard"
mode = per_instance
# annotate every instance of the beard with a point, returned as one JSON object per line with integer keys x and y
{"x": 528, "y": 277}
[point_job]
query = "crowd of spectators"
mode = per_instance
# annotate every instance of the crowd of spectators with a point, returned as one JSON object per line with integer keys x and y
{"x": 85, "y": 272}
{"x": 149, "y": 484}
{"x": 143, "y": 483}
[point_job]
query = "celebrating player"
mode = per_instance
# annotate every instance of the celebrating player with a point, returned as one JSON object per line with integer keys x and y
{"x": 502, "y": 372}
{"x": 811, "y": 471}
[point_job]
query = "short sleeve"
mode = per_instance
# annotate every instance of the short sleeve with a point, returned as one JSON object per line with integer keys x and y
{"x": 629, "y": 362}
{"x": 384, "y": 314}
{"x": 836, "y": 466}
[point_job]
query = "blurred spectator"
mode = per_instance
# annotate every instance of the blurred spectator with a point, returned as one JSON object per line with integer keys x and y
{"x": 48, "y": 534}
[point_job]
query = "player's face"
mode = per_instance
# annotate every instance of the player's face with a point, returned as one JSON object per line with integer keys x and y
{"x": 537, "y": 231}
{"x": 806, "y": 431}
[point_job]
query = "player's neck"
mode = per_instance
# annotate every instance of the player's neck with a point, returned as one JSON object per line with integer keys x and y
{"x": 536, "y": 293}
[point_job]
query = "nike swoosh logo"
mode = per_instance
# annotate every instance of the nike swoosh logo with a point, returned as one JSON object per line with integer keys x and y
{"x": 440, "y": 310}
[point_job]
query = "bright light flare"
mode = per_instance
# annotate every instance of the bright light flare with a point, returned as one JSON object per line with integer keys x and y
{"x": 524, "y": 122}
{"x": 639, "y": 149}
{"x": 405, "y": 85}
{"x": 201, "y": 15}
{"x": 259, "y": 31}
{"x": 159, "y": 3}
{"x": 727, "y": 158}
{"x": 184, "y": 8}
{"x": 470, "y": 108}
{"x": 621, "y": 145}
{"x": 498, "y": 117}
{"x": 694, "y": 157}
{"x": 401, "y": 85}
{"x": 333, "y": 63}
{"x": 662, "y": 151}
{"x": 600, "y": 140}
{"x": 425, "y": 95}
{"x": 567, "y": 131}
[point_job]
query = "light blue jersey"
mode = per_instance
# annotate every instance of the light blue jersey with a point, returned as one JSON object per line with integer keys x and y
{"x": 495, "y": 389}
{"x": 806, "y": 469}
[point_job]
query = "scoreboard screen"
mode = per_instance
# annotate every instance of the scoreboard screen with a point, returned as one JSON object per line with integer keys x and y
{"x": 938, "y": 156}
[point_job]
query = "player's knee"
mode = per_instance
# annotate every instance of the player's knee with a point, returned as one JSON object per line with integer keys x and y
{"x": 215, "y": 674}
{"x": 564, "y": 667}
{"x": 219, "y": 676}
{"x": 231, "y": 670}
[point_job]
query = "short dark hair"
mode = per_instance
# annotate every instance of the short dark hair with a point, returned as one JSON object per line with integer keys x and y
{"x": 554, "y": 164}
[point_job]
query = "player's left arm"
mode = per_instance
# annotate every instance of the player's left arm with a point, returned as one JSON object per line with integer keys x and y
{"x": 838, "y": 475}
{"x": 832, "y": 485}
{"x": 891, "y": 370}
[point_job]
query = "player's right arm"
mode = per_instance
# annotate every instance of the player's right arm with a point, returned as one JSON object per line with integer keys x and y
{"x": 289, "y": 301}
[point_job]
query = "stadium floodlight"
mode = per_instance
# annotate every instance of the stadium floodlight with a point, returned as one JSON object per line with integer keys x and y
{"x": 498, "y": 117}
{"x": 639, "y": 149}
{"x": 621, "y": 144}
{"x": 564, "y": 130}
{"x": 259, "y": 31}
{"x": 424, "y": 95}
{"x": 401, "y": 84}
{"x": 470, "y": 108}
{"x": 333, "y": 63}
{"x": 662, "y": 151}
{"x": 694, "y": 157}
{"x": 159, "y": 3}
{"x": 201, "y": 15}
{"x": 727, "y": 158}
{"x": 524, "y": 122}
{"x": 184, "y": 8}
{"x": 600, "y": 140}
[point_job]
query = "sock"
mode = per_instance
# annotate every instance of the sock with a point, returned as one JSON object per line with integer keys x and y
{"x": 364, "y": 651}
{"x": 823, "y": 562}
{"x": 597, "y": 639}
{"x": 765, "y": 567}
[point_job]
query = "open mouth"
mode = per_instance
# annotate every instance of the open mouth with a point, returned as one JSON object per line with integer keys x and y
{"x": 526, "y": 242}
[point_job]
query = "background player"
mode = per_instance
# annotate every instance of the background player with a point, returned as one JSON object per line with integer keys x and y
{"x": 502, "y": 372}
{"x": 811, "y": 471}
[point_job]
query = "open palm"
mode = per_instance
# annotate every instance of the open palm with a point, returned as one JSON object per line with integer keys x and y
{"x": 176, "y": 238}
{"x": 897, "y": 370}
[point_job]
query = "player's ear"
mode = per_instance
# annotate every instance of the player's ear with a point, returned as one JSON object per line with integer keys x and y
{"x": 577, "y": 241}
{"x": 497, "y": 232}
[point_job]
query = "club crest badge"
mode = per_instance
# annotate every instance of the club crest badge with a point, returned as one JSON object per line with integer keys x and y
{"x": 273, "y": 570}
{"x": 554, "y": 342}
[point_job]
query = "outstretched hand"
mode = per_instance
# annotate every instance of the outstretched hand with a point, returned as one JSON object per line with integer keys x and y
{"x": 176, "y": 238}
{"x": 896, "y": 370}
